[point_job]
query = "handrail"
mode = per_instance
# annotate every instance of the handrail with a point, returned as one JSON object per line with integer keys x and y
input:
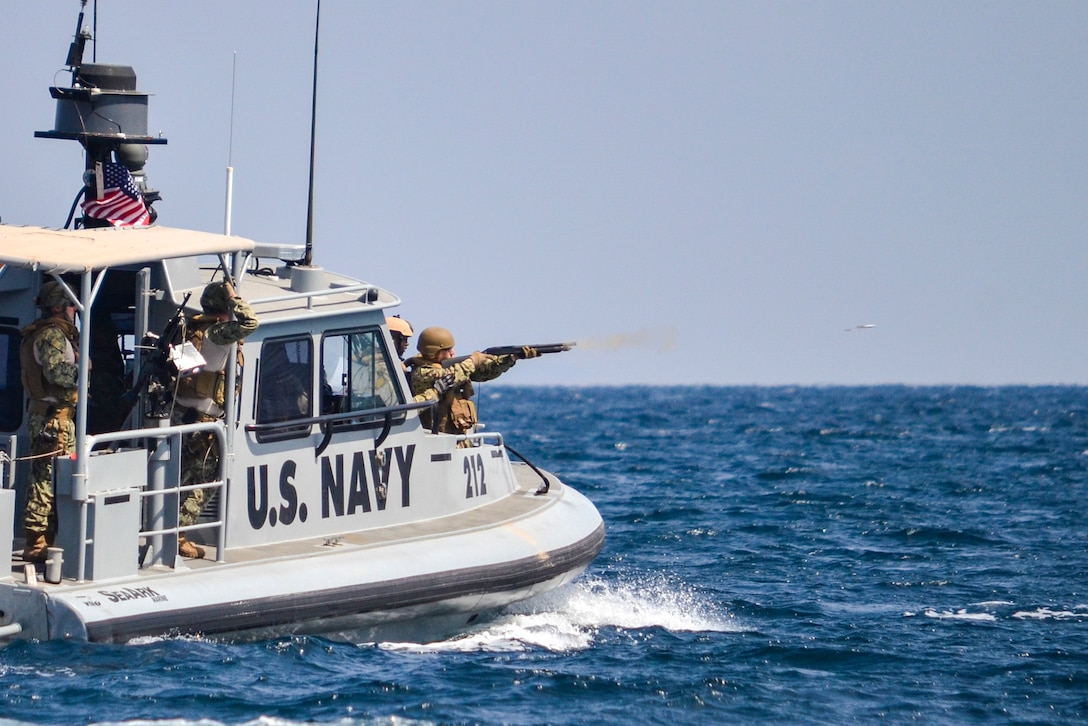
{"x": 339, "y": 416}
{"x": 481, "y": 439}
{"x": 173, "y": 489}
{"x": 326, "y": 419}
{"x": 179, "y": 490}
{"x": 7, "y": 458}
{"x": 310, "y": 295}
{"x": 483, "y": 436}
{"x": 153, "y": 433}
{"x": 543, "y": 488}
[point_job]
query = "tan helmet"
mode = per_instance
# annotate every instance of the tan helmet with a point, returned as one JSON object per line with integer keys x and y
{"x": 215, "y": 298}
{"x": 50, "y": 295}
{"x": 433, "y": 340}
{"x": 397, "y": 324}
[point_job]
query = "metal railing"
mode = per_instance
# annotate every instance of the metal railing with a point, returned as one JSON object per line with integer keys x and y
{"x": 368, "y": 290}
{"x": 161, "y": 491}
{"x": 481, "y": 438}
{"x": 7, "y": 463}
{"x": 328, "y": 421}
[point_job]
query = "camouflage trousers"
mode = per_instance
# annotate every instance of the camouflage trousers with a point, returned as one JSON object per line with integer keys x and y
{"x": 199, "y": 464}
{"x": 49, "y": 434}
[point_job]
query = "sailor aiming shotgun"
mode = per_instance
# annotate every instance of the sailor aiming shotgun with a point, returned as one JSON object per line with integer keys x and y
{"x": 455, "y": 412}
{"x": 518, "y": 351}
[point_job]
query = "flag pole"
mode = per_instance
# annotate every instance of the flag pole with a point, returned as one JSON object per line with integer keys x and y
{"x": 230, "y": 151}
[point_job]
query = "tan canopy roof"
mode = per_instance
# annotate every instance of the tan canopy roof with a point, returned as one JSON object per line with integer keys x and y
{"x": 66, "y": 250}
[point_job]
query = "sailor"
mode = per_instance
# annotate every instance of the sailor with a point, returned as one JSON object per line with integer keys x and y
{"x": 201, "y": 397}
{"x": 455, "y": 410}
{"x": 49, "y": 360}
{"x": 401, "y": 331}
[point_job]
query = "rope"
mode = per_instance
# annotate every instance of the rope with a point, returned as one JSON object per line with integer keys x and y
{"x": 4, "y": 458}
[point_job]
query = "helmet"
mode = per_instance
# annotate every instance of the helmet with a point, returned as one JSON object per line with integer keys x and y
{"x": 397, "y": 324}
{"x": 51, "y": 294}
{"x": 432, "y": 340}
{"x": 215, "y": 299}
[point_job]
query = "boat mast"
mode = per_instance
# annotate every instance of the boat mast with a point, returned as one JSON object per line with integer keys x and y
{"x": 104, "y": 112}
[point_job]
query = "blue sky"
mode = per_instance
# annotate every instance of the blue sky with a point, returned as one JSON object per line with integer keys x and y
{"x": 697, "y": 192}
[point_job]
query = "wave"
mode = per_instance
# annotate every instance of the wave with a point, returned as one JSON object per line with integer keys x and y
{"x": 1079, "y": 612}
{"x": 960, "y": 614}
{"x": 259, "y": 721}
{"x": 570, "y": 618}
{"x": 994, "y": 610}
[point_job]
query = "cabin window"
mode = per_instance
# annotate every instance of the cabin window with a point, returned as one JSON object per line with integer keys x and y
{"x": 359, "y": 373}
{"x": 11, "y": 386}
{"x": 284, "y": 386}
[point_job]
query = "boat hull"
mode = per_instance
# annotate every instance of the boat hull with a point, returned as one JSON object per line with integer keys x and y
{"x": 352, "y": 589}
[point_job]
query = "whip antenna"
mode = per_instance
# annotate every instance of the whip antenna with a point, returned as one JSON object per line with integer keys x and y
{"x": 309, "y": 256}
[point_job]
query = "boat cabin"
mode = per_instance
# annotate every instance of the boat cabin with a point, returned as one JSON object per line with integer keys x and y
{"x": 320, "y": 437}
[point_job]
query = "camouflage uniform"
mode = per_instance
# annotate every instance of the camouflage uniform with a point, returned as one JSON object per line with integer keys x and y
{"x": 455, "y": 418}
{"x": 429, "y": 395}
{"x": 200, "y": 398}
{"x": 50, "y": 373}
{"x": 199, "y": 463}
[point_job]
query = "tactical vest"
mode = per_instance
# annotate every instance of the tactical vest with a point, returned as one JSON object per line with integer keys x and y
{"x": 37, "y": 387}
{"x": 455, "y": 410}
{"x": 207, "y": 384}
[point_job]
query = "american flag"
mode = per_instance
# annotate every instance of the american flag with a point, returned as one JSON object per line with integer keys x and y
{"x": 120, "y": 202}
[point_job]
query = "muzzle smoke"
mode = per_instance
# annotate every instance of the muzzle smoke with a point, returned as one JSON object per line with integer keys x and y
{"x": 661, "y": 340}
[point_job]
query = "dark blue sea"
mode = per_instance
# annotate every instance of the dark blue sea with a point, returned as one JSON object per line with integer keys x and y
{"x": 814, "y": 555}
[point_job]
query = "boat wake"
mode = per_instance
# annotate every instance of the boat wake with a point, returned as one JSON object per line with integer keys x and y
{"x": 570, "y": 618}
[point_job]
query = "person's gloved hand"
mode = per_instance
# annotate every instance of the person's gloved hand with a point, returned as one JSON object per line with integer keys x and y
{"x": 530, "y": 352}
{"x": 444, "y": 383}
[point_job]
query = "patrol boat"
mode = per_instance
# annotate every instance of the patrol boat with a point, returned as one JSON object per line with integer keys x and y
{"x": 342, "y": 516}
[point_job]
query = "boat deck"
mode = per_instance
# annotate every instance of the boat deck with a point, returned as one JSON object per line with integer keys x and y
{"x": 521, "y": 503}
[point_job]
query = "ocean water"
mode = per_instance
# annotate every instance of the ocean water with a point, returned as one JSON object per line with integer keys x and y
{"x": 781, "y": 555}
